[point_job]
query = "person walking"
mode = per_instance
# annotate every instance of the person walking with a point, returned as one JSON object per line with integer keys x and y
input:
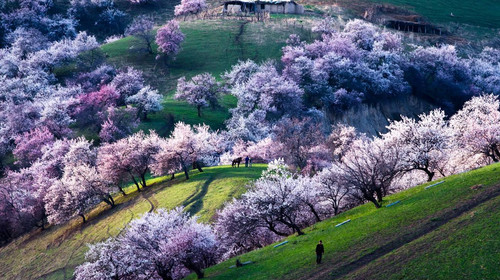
{"x": 320, "y": 250}
{"x": 246, "y": 161}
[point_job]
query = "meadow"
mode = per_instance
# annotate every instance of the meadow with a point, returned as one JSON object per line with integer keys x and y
{"x": 448, "y": 229}
{"x": 482, "y": 13}
{"x": 211, "y": 46}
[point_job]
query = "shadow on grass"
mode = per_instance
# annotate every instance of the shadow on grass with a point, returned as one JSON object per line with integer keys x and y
{"x": 195, "y": 201}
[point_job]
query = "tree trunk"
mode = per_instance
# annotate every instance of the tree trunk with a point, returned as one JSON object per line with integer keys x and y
{"x": 143, "y": 179}
{"x": 199, "y": 110}
{"x": 110, "y": 197}
{"x": 380, "y": 195}
{"x": 198, "y": 166}
{"x": 199, "y": 273}
{"x": 150, "y": 49}
{"x": 136, "y": 183}
{"x": 271, "y": 228}
{"x": 186, "y": 172}
{"x": 430, "y": 175}
{"x": 173, "y": 176}
{"x": 83, "y": 218}
{"x": 122, "y": 191}
{"x": 315, "y": 213}
{"x": 374, "y": 201}
{"x": 165, "y": 276}
{"x": 109, "y": 201}
{"x": 297, "y": 229}
{"x": 145, "y": 115}
{"x": 494, "y": 154}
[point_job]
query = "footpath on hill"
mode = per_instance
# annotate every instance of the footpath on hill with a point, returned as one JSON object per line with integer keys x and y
{"x": 407, "y": 235}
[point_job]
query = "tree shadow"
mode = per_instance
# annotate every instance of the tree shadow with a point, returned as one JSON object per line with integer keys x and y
{"x": 195, "y": 201}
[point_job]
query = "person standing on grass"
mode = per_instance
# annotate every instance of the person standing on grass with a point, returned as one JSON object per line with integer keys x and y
{"x": 319, "y": 252}
{"x": 250, "y": 162}
{"x": 246, "y": 161}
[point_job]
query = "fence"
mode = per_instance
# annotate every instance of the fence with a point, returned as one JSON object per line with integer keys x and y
{"x": 216, "y": 14}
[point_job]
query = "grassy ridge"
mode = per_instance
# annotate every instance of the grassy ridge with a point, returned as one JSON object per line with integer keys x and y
{"x": 210, "y": 46}
{"x": 467, "y": 247}
{"x": 483, "y": 13}
{"x": 55, "y": 252}
{"x": 374, "y": 233}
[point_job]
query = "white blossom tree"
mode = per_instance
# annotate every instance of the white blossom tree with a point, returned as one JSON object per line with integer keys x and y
{"x": 424, "y": 144}
{"x": 163, "y": 245}
{"x": 147, "y": 100}
{"x": 477, "y": 126}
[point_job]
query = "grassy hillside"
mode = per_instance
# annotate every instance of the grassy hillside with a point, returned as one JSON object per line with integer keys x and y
{"x": 210, "y": 46}
{"x": 483, "y": 13}
{"x": 55, "y": 252}
{"x": 449, "y": 231}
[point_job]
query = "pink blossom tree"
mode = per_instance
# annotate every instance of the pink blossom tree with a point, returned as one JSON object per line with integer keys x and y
{"x": 340, "y": 140}
{"x": 21, "y": 200}
{"x": 29, "y": 145}
{"x": 80, "y": 189}
{"x": 91, "y": 104}
{"x": 283, "y": 203}
{"x": 127, "y": 83}
{"x": 325, "y": 26}
{"x": 169, "y": 39}
{"x": 186, "y": 146}
{"x": 187, "y": 7}
{"x": 240, "y": 73}
{"x": 142, "y": 28}
{"x": 201, "y": 91}
{"x": 109, "y": 260}
{"x": 120, "y": 122}
{"x": 129, "y": 158}
{"x": 297, "y": 137}
{"x": 239, "y": 231}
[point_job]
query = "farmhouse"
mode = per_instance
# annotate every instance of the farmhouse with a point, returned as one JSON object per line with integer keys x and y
{"x": 258, "y": 6}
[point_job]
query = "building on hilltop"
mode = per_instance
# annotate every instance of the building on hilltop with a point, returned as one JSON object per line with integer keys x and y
{"x": 259, "y": 6}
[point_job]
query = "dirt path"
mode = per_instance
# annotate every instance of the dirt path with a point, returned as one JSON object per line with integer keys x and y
{"x": 410, "y": 234}
{"x": 237, "y": 39}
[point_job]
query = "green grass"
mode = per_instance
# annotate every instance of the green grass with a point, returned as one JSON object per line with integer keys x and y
{"x": 482, "y": 13}
{"x": 55, "y": 252}
{"x": 371, "y": 230}
{"x": 468, "y": 247}
{"x": 211, "y": 46}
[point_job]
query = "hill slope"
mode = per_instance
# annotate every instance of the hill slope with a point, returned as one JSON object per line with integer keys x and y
{"x": 436, "y": 233}
{"x": 55, "y": 252}
{"x": 211, "y": 46}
